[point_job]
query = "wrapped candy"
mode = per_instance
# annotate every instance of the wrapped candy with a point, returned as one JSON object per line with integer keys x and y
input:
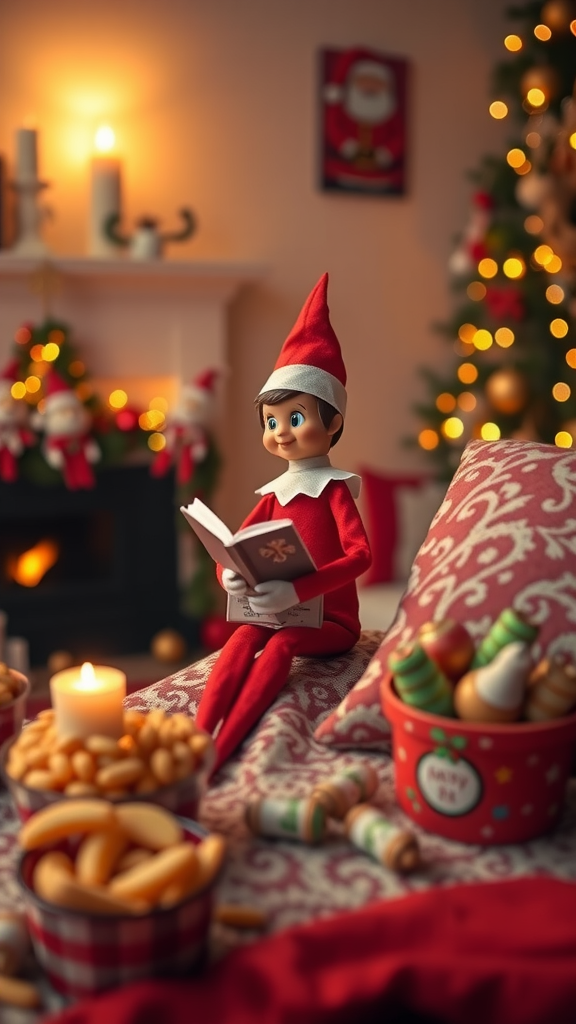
{"x": 552, "y": 690}
{"x": 419, "y": 680}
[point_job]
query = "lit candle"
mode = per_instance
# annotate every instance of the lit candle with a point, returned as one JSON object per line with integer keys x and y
{"x": 26, "y": 155}
{"x": 104, "y": 193}
{"x": 88, "y": 701}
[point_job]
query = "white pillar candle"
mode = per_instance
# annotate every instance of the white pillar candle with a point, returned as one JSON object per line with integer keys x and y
{"x": 26, "y": 155}
{"x": 89, "y": 701}
{"x": 104, "y": 200}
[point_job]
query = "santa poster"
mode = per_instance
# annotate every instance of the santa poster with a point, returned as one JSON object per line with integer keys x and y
{"x": 363, "y": 103}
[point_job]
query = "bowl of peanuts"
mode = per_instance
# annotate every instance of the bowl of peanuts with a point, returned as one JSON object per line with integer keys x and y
{"x": 116, "y": 892}
{"x": 160, "y": 758}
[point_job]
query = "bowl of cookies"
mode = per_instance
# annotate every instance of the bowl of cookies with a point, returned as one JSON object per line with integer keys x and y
{"x": 14, "y": 691}
{"x": 116, "y": 892}
{"x": 159, "y": 758}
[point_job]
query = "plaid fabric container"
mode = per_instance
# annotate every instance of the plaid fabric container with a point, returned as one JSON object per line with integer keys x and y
{"x": 12, "y": 714}
{"x": 181, "y": 797}
{"x": 84, "y": 954}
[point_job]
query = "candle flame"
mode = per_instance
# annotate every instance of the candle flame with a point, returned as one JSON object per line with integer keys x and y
{"x": 29, "y": 568}
{"x": 104, "y": 139}
{"x": 87, "y": 679}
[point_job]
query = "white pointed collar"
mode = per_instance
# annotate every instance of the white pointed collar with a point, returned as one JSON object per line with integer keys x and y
{"x": 310, "y": 477}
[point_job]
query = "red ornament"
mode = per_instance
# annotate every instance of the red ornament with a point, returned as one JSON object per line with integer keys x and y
{"x": 449, "y": 644}
{"x": 505, "y": 303}
{"x": 127, "y": 419}
{"x": 215, "y": 631}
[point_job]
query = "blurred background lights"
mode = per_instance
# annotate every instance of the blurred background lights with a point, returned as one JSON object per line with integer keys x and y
{"x": 466, "y": 333}
{"x": 572, "y": 140}
{"x": 498, "y": 109}
{"x": 514, "y": 267}
{"x": 476, "y": 291}
{"x": 543, "y": 33}
{"x": 466, "y": 401}
{"x": 543, "y": 254}
{"x": 453, "y": 427}
{"x": 555, "y": 294}
{"x": 428, "y": 439}
{"x": 56, "y": 337}
{"x": 76, "y": 368}
{"x": 483, "y": 339}
{"x": 32, "y": 384}
{"x": 50, "y": 352}
{"x": 533, "y": 224}
{"x": 561, "y": 391}
{"x": 104, "y": 139}
{"x": 445, "y": 402}
{"x": 513, "y": 43}
{"x": 516, "y": 157}
{"x": 554, "y": 266}
{"x": 156, "y": 442}
{"x": 536, "y": 98}
{"x": 571, "y": 358}
{"x": 559, "y": 328}
{"x": 159, "y": 403}
{"x": 533, "y": 139}
{"x": 37, "y": 353}
{"x": 467, "y": 373}
{"x": 117, "y": 399}
{"x": 490, "y": 432}
{"x": 487, "y": 268}
{"x": 18, "y": 390}
{"x": 563, "y": 439}
{"x": 504, "y": 337}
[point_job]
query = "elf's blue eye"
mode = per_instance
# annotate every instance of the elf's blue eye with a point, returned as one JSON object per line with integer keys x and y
{"x": 296, "y": 419}
{"x": 271, "y": 423}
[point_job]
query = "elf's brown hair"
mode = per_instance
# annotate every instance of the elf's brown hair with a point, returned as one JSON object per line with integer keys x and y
{"x": 326, "y": 411}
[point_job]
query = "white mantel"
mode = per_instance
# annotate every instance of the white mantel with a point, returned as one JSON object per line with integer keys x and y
{"x": 129, "y": 319}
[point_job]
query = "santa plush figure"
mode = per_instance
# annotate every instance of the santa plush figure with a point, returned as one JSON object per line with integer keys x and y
{"x": 68, "y": 444}
{"x": 15, "y": 434}
{"x": 187, "y": 438}
{"x": 301, "y": 408}
{"x": 364, "y": 121}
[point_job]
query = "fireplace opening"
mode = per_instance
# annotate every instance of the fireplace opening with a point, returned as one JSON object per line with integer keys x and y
{"x": 93, "y": 572}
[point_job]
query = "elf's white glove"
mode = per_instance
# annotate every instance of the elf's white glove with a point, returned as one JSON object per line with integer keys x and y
{"x": 233, "y": 583}
{"x": 274, "y": 596}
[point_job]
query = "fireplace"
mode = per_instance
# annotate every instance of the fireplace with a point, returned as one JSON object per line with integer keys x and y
{"x": 92, "y": 572}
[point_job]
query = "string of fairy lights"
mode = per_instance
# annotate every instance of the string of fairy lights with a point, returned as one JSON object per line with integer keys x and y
{"x": 538, "y": 85}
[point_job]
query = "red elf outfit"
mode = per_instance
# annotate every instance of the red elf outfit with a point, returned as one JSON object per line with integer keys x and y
{"x": 14, "y": 433}
{"x": 320, "y": 501}
{"x": 68, "y": 445}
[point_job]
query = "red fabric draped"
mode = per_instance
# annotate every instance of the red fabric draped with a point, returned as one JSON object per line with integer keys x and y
{"x": 495, "y": 953}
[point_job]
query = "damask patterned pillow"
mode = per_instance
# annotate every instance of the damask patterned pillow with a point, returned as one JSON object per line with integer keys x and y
{"x": 505, "y": 535}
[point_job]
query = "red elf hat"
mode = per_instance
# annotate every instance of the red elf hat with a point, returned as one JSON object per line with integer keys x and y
{"x": 57, "y": 391}
{"x": 310, "y": 360}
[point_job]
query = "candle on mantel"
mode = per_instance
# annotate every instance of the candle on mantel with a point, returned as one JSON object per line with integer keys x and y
{"x": 104, "y": 193}
{"x": 88, "y": 700}
{"x": 26, "y": 155}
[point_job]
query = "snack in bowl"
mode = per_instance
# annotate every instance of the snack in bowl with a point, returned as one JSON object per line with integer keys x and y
{"x": 125, "y": 891}
{"x": 160, "y": 757}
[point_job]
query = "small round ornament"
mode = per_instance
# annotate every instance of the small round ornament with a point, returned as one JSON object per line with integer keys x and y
{"x": 507, "y": 391}
{"x": 168, "y": 645}
{"x": 449, "y": 644}
{"x": 495, "y": 692}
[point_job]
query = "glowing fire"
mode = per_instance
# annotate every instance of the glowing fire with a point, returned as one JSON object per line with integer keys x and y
{"x": 29, "y": 568}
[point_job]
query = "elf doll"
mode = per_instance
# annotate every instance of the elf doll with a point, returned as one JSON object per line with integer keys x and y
{"x": 301, "y": 407}
{"x": 187, "y": 436}
{"x": 68, "y": 444}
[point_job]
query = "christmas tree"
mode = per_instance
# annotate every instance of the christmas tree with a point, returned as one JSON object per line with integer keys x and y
{"x": 514, "y": 269}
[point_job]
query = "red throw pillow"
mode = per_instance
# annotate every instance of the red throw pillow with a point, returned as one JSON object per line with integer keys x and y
{"x": 504, "y": 536}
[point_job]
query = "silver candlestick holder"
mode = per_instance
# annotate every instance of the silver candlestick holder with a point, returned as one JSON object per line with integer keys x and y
{"x": 29, "y": 217}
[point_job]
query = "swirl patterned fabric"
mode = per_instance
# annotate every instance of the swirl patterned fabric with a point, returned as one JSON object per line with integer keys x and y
{"x": 505, "y": 535}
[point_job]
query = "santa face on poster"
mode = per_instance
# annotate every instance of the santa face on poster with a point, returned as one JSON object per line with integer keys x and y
{"x": 363, "y": 97}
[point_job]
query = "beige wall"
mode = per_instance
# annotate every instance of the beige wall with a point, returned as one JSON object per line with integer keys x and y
{"x": 214, "y": 106}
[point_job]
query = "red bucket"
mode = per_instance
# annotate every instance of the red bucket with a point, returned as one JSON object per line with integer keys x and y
{"x": 83, "y": 954}
{"x": 476, "y": 782}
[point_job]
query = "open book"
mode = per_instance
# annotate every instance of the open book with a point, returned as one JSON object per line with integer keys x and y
{"x": 261, "y": 552}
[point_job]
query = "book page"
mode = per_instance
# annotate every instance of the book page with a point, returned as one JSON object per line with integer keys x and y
{"x": 206, "y": 517}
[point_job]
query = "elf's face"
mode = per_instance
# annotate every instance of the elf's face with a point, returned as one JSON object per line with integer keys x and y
{"x": 293, "y": 429}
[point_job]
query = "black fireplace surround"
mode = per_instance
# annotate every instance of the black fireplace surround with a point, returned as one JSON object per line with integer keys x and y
{"x": 114, "y": 582}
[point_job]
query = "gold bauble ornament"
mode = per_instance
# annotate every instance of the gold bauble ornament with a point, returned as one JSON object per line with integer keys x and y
{"x": 59, "y": 660}
{"x": 540, "y": 77}
{"x": 168, "y": 645}
{"x": 557, "y": 15}
{"x": 507, "y": 391}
